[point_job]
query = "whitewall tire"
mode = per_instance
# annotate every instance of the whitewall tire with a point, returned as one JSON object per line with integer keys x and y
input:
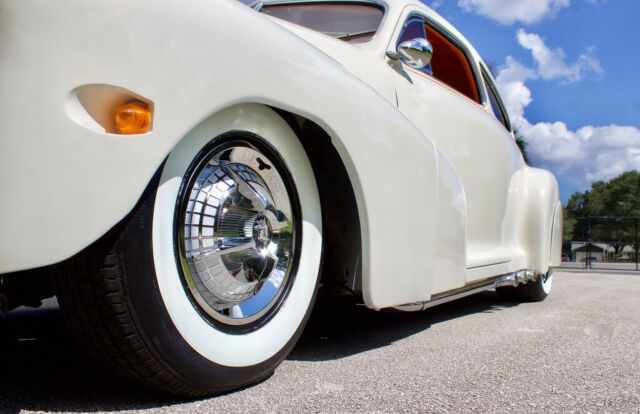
{"x": 211, "y": 279}
{"x": 258, "y": 345}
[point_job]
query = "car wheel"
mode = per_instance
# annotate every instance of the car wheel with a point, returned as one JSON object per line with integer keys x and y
{"x": 207, "y": 285}
{"x": 533, "y": 291}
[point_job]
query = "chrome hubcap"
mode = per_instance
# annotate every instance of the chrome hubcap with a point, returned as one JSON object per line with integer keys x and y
{"x": 236, "y": 233}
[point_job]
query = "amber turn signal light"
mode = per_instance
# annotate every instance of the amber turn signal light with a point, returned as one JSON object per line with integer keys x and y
{"x": 133, "y": 118}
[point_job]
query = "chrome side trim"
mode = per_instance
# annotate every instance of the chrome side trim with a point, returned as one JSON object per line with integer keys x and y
{"x": 510, "y": 279}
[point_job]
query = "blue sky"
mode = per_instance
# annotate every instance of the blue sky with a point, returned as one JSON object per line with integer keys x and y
{"x": 569, "y": 72}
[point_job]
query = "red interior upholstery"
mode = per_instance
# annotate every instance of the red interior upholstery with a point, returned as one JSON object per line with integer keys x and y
{"x": 450, "y": 65}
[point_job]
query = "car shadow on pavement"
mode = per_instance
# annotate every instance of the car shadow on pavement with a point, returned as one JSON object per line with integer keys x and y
{"x": 43, "y": 369}
{"x": 338, "y": 328}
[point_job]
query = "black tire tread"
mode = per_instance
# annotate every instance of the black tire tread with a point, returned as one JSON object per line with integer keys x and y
{"x": 94, "y": 301}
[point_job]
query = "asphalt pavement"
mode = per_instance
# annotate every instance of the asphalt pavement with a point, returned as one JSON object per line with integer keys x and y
{"x": 578, "y": 351}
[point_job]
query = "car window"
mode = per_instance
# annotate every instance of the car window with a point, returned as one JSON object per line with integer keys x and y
{"x": 351, "y": 22}
{"x": 496, "y": 103}
{"x": 449, "y": 64}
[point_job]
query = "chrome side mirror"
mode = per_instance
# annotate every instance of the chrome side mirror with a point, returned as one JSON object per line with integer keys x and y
{"x": 416, "y": 53}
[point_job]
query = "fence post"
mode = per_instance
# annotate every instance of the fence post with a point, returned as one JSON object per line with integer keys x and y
{"x": 587, "y": 263}
{"x": 635, "y": 244}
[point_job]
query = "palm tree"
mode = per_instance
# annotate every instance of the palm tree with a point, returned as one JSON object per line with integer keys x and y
{"x": 522, "y": 144}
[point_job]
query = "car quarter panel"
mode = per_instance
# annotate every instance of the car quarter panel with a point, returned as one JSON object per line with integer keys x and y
{"x": 65, "y": 185}
{"x": 534, "y": 220}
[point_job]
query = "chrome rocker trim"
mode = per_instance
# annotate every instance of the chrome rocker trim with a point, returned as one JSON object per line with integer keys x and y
{"x": 510, "y": 279}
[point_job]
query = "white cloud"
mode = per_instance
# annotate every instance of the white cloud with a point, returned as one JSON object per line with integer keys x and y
{"x": 515, "y": 94}
{"x": 550, "y": 63}
{"x": 511, "y": 11}
{"x": 587, "y": 154}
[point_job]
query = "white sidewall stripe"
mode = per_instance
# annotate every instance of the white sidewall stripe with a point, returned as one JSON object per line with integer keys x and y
{"x": 260, "y": 345}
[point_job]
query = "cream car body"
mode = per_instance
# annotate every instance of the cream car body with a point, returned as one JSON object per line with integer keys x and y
{"x": 444, "y": 197}
{"x": 66, "y": 181}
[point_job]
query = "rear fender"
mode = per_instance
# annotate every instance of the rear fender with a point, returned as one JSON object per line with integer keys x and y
{"x": 534, "y": 219}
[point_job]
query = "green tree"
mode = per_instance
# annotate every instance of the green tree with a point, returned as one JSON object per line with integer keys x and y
{"x": 619, "y": 197}
{"x": 569, "y": 228}
{"x": 522, "y": 144}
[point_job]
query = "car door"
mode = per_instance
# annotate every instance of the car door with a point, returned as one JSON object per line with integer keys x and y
{"x": 447, "y": 101}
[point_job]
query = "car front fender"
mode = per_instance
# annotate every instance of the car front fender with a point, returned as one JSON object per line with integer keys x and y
{"x": 66, "y": 182}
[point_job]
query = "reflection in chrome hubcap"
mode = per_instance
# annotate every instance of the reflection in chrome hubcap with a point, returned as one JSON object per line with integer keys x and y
{"x": 238, "y": 234}
{"x": 261, "y": 232}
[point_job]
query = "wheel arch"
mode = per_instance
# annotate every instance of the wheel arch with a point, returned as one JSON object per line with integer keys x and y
{"x": 342, "y": 230}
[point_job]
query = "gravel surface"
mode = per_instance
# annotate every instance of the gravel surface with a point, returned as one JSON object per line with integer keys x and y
{"x": 578, "y": 351}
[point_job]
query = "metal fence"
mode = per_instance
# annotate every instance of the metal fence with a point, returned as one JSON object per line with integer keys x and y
{"x": 609, "y": 243}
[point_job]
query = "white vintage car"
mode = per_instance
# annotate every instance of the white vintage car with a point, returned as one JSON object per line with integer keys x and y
{"x": 192, "y": 174}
